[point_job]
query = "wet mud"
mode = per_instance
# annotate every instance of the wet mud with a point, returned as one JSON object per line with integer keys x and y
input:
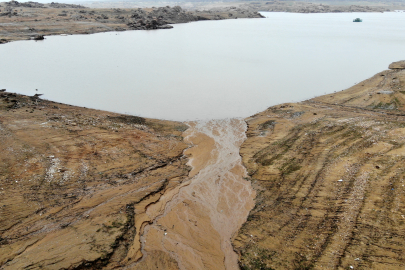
{"x": 196, "y": 221}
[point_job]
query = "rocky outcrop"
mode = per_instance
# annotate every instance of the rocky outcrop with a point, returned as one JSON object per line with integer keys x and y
{"x": 39, "y": 37}
{"x": 8, "y": 11}
{"x": 159, "y": 18}
{"x": 61, "y": 5}
{"x": 54, "y": 19}
{"x": 173, "y": 15}
{"x": 397, "y": 65}
{"x": 148, "y": 25}
{"x": 28, "y": 4}
{"x": 31, "y": 4}
{"x": 329, "y": 179}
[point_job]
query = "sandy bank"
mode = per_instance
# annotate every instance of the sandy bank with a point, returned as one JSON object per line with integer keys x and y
{"x": 87, "y": 189}
{"x": 329, "y": 174}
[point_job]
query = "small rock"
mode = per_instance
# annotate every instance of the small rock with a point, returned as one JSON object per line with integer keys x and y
{"x": 397, "y": 65}
{"x": 39, "y": 37}
{"x": 386, "y": 92}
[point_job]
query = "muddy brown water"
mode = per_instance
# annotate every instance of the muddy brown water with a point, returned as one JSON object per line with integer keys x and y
{"x": 196, "y": 221}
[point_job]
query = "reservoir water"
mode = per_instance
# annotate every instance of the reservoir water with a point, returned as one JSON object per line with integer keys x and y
{"x": 209, "y": 69}
{"x": 205, "y": 70}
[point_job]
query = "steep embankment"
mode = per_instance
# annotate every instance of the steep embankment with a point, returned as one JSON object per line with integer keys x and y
{"x": 329, "y": 174}
{"x": 75, "y": 183}
{"x": 22, "y": 21}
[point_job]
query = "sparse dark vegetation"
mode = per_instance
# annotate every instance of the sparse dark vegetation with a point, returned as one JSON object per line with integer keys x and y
{"x": 268, "y": 124}
{"x": 128, "y": 119}
{"x": 289, "y": 167}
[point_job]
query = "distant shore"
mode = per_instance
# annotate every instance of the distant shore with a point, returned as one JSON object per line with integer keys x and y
{"x": 31, "y": 20}
{"x": 35, "y": 21}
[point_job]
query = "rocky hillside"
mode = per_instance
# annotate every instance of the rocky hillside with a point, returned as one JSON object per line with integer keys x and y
{"x": 330, "y": 178}
{"x": 31, "y": 20}
{"x": 75, "y": 182}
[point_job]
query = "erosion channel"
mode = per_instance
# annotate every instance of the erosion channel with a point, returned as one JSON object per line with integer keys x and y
{"x": 88, "y": 189}
{"x": 195, "y": 222}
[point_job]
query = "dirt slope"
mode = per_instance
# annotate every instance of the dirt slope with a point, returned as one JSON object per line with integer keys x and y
{"x": 75, "y": 182}
{"x": 329, "y": 174}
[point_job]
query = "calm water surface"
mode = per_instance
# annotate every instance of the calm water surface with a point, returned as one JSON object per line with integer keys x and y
{"x": 210, "y": 69}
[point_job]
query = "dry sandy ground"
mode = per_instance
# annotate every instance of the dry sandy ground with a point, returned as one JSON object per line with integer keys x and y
{"x": 329, "y": 174}
{"x": 75, "y": 182}
{"x": 87, "y": 189}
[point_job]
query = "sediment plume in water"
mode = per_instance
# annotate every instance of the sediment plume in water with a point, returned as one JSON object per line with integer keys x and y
{"x": 196, "y": 221}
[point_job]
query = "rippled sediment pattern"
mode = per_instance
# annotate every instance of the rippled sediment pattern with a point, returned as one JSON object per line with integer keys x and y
{"x": 198, "y": 219}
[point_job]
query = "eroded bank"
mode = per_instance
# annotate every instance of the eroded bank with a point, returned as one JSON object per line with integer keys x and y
{"x": 195, "y": 222}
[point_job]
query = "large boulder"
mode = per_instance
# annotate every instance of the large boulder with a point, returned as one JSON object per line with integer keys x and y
{"x": 397, "y": 65}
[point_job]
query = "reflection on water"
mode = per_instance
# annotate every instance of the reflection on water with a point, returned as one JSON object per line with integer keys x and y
{"x": 210, "y": 69}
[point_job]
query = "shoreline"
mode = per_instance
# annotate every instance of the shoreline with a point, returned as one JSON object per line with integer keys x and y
{"x": 35, "y": 21}
{"x": 94, "y": 179}
{"x": 327, "y": 173}
{"x": 67, "y": 20}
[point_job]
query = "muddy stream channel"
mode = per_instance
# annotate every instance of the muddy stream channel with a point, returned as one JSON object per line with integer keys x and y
{"x": 194, "y": 223}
